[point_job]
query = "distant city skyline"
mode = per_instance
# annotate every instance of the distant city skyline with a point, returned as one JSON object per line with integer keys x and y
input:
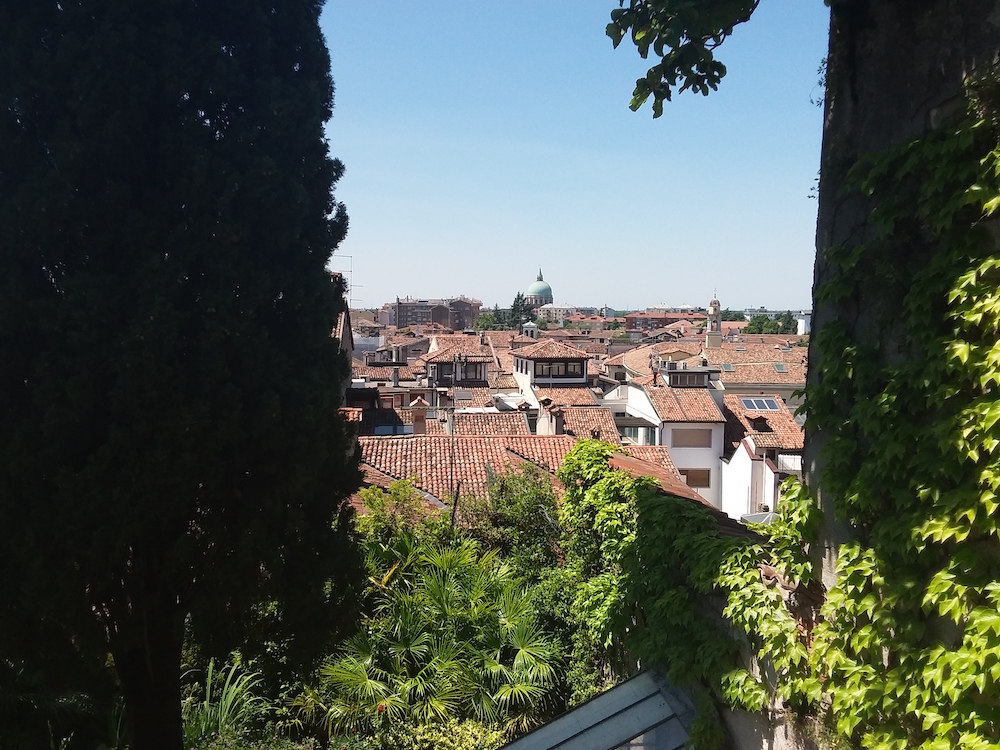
{"x": 489, "y": 305}
{"x": 483, "y": 140}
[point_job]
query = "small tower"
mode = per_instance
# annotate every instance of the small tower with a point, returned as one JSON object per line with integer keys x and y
{"x": 713, "y": 334}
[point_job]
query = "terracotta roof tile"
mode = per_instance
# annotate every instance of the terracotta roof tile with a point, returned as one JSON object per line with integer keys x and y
{"x": 637, "y": 360}
{"x": 491, "y": 423}
{"x": 550, "y": 350}
{"x": 480, "y": 396}
{"x": 460, "y": 342}
{"x": 375, "y": 418}
{"x": 755, "y": 363}
{"x": 585, "y": 421}
{"x": 569, "y": 396}
{"x": 502, "y": 381}
{"x": 769, "y": 429}
{"x": 478, "y": 353}
{"x": 500, "y": 339}
{"x": 505, "y": 359}
{"x": 684, "y": 404}
{"x": 427, "y": 459}
{"x": 547, "y": 451}
{"x": 371, "y": 373}
{"x": 654, "y": 454}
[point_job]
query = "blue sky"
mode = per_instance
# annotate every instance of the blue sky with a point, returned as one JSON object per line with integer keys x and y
{"x": 484, "y": 139}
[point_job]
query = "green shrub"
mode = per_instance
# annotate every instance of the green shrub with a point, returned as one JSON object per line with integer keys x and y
{"x": 225, "y": 709}
{"x": 448, "y": 735}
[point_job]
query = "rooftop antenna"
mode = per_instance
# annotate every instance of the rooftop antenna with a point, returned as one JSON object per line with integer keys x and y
{"x": 351, "y": 299}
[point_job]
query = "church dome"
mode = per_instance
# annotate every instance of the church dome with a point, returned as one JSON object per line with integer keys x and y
{"x": 539, "y": 288}
{"x": 539, "y": 293}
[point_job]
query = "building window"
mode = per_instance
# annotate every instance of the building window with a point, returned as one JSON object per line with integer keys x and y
{"x": 688, "y": 379}
{"x": 697, "y": 478}
{"x": 574, "y": 368}
{"x": 639, "y": 435}
{"x": 542, "y": 369}
{"x": 690, "y": 438}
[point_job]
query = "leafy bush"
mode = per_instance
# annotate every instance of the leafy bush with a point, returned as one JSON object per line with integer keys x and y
{"x": 448, "y": 735}
{"x": 225, "y": 709}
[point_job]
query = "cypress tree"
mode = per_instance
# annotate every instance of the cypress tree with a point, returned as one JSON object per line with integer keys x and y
{"x": 170, "y": 444}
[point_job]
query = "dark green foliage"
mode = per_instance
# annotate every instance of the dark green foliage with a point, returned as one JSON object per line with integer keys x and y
{"x": 488, "y": 321}
{"x": 735, "y": 315}
{"x": 787, "y": 322}
{"x": 520, "y": 312}
{"x": 451, "y": 633}
{"x": 169, "y": 385}
{"x": 683, "y": 35}
{"x": 762, "y": 324}
{"x": 520, "y": 519}
{"x": 656, "y": 577}
{"x": 783, "y": 324}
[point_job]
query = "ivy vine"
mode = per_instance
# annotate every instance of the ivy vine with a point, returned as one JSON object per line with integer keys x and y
{"x": 909, "y": 646}
{"x": 904, "y": 650}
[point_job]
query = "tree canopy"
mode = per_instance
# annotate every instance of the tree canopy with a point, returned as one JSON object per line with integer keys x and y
{"x": 169, "y": 432}
{"x": 520, "y": 311}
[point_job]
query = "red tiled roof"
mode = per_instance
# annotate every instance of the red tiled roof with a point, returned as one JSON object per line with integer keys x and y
{"x": 427, "y": 459}
{"x": 480, "y": 396}
{"x": 500, "y": 339}
{"x": 549, "y": 349}
{"x": 502, "y": 381}
{"x": 491, "y": 423}
{"x": 462, "y": 341}
{"x": 769, "y": 429}
{"x": 754, "y": 363}
{"x": 637, "y": 360}
{"x": 568, "y": 396}
{"x": 470, "y": 354}
{"x": 683, "y": 404}
{"x": 505, "y": 359}
{"x": 384, "y": 372}
{"x": 373, "y": 418}
{"x": 547, "y": 451}
{"x": 591, "y": 422}
{"x": 654, "y": 454}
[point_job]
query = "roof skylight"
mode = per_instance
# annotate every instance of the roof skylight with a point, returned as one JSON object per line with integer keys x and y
{"x": 759, "y": 404}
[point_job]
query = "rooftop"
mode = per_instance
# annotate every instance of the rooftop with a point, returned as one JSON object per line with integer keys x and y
{"x": 683, "y": 404}
{"x": 753, "y": 416}
{"x": 549, "y": 349}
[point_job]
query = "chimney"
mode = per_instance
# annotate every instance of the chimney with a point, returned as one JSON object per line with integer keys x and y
{"x": 419, "y": 407}
{"x": 395, "y": 377}
{"x": 558, "y": 421}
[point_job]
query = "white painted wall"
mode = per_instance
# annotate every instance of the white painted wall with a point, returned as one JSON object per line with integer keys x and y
{"x": 698, "y": 458}
{"x": 736, "y": 478}
{"x": 637, "y": 403}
